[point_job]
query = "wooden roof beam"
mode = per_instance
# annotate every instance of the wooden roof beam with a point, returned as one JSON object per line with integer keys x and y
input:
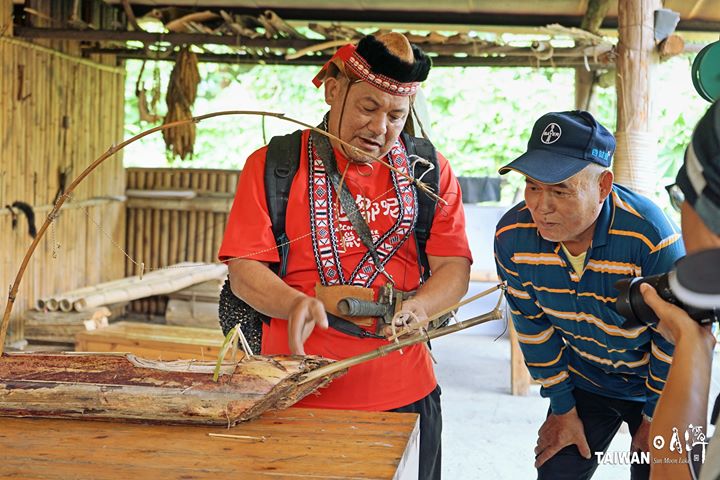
{"x": 244, "y": 58}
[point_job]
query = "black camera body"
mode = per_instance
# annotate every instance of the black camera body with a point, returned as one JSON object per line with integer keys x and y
{"x": 694, "y": 286}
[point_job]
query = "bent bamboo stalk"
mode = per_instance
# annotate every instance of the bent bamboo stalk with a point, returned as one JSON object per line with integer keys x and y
{"x": 12, "y": 294}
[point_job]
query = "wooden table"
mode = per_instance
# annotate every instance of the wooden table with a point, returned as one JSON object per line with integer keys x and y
{"x": 298, "y": 443}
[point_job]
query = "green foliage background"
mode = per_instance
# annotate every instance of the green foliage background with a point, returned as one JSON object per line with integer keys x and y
{"x": 480, "y": 117}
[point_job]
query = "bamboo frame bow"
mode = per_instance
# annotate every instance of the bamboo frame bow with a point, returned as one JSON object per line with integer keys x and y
{"x": 116, "y": 148}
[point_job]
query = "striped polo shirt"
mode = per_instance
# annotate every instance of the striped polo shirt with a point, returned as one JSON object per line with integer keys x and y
{"x": 569, "y": 330}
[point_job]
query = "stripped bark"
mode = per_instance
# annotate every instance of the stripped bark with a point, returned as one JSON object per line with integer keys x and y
{"x": 124, "y": 387}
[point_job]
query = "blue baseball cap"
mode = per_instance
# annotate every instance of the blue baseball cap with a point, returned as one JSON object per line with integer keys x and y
{"x": 562, "y": 144}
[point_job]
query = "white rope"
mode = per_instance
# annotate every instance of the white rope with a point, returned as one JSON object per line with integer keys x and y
{"x": 636, "y": 158}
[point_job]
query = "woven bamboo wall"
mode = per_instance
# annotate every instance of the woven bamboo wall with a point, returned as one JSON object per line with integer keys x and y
{"x": 57, "y": 114}
{"x": 164, "y": 232}
{"x": 6, "y": 25}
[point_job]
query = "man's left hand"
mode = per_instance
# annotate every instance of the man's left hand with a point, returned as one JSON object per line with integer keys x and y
{"x": 641, "y": 439}
{"x": 411, "y": 312}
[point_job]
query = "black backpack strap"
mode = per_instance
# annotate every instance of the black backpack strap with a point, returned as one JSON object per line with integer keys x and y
{"x": 281, "y": 164}
{"x": 426, "y": 204}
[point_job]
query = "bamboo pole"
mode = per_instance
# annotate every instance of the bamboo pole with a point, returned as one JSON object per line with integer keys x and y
{"x": 65, "y": 300}
{"x": 156, "y": 286}
{"x": 344, "y": 364}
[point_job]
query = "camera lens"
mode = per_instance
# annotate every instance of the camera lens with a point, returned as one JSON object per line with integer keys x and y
{"x": 630, "y": 303}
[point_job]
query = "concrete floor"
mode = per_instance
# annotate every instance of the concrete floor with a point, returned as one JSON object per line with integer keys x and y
{"x": 488, "y": 433}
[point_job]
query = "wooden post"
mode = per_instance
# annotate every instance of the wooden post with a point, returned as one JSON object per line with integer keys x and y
{"x": 519, "y": 375}
{"x": 585, "y": 79}
{"x": 636, "y": 152}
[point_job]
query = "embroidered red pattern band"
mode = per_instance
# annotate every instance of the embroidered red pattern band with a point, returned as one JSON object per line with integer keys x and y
{"x": 359, "y": 66}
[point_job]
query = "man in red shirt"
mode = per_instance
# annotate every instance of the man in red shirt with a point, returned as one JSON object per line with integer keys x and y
{"x": 370, "y": 89}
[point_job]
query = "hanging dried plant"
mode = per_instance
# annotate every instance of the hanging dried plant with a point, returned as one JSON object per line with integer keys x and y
{"x": 181, "y": 93}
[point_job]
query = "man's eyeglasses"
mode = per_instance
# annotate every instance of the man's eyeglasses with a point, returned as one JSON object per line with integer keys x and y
{"x": 677, "y": 197}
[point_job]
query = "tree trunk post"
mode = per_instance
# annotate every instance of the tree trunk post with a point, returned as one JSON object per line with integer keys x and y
{"x": 636, "y": 152}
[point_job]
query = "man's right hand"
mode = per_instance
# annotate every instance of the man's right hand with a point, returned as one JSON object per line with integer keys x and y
{"x": 305, "y": 313}
{"x": 674, "y": 321}
{"x": 558, "y": 432}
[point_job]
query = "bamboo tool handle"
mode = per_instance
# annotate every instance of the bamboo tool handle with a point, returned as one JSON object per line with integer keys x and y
{"x": 116, "y": 148}
{"x": 326, "y": 370}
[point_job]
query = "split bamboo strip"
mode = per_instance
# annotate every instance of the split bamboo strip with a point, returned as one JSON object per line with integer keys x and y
{"x": 164, "y": 224}
{"x": 208, "y": 240}
{"x": 156, "y": 260}
{"x": 173, "y": 233}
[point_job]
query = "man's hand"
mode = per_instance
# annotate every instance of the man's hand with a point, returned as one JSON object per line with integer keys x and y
{"x": 641, "y": 439}
{"x": 411, "y": 312}
{"x": 558, "y": 432}
{"x": 306, "y": 312}
{"x": 674, "y": 321}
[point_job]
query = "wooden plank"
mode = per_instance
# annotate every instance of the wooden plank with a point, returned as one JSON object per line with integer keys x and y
{"x": 63, "y": 326}
{"x": 166, "y": 342}
{"x": 360, "y": 445}
{"x": 150, "y": 333}
{"x": 149, "y": 350}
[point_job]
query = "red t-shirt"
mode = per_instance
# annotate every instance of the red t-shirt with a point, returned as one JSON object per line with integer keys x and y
{"x": 388, "y": 382}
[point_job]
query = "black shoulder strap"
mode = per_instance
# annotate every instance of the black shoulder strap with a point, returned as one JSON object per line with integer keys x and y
{"x": 281, "y": 164}
{"x": 426, "y": 204}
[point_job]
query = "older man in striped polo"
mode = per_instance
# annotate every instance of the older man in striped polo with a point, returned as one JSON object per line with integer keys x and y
{"x": 561, "y": 251}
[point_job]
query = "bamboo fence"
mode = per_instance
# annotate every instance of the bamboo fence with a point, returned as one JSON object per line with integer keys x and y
{"x": 57, "y": 113}
{"x": 164, "y": 231}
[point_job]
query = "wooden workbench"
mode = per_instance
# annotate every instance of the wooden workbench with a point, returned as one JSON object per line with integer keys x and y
{"x": 298, "y": 443}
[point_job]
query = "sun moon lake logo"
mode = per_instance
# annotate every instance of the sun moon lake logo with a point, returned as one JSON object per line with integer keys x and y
{"x": 551, "y": 134}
